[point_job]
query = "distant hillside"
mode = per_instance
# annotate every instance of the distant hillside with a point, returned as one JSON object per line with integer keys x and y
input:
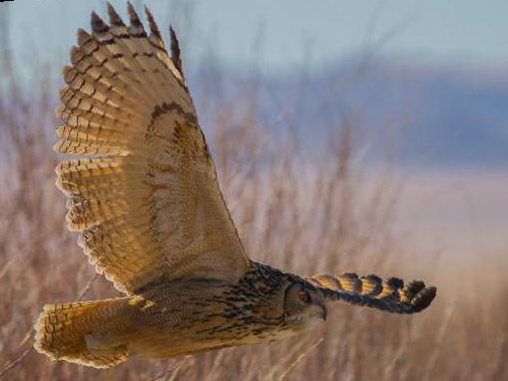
{"x": 438, "y": 116}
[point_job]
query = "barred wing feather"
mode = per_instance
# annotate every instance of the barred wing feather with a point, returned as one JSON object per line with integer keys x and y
{"x": 390, "y": 295}
{"x": 147, "y": 201}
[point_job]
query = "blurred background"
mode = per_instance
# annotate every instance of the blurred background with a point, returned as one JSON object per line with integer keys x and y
{"x": 349, "y": 136}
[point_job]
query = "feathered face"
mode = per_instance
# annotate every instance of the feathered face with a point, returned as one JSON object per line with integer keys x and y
{"x": 304, "y": 306}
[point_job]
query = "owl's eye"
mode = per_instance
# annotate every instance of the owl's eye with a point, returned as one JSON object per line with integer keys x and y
{"x": 304, "y": 297}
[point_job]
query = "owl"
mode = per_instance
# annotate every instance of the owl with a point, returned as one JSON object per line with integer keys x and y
{"x": 144, "y": 196}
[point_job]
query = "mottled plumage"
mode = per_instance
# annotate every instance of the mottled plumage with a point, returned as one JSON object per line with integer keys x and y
{"x": 152, "y": 219}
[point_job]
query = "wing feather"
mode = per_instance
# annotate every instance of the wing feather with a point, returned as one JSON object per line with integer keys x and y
{"x": 372, "y": 291}
{"x": 150, "y": 206}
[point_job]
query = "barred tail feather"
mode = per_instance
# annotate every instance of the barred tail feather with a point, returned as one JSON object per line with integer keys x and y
{"x": 72, "y": 332}
{"x": 372, "y": 291}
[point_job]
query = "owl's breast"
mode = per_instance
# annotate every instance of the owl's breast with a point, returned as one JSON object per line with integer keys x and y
{"x": 189, "y": 316}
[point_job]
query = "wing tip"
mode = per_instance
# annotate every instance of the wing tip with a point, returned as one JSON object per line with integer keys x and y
{"x": 423, "y": 298}
{"x": 175, "y": 50}
{"x": 154, "y": 29}
{"x": 98, "y": 24}
{"x": 114, "y": 17}
{"x": 136, "y": 28}
{"x": 395, "y": 282}
{"x": 133, "y": 16}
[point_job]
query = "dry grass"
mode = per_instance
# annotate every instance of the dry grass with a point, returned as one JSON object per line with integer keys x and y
{"x": 301, "y": 214}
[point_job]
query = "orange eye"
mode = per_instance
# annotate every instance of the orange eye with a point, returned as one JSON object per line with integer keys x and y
{"x": 304, "y": 297}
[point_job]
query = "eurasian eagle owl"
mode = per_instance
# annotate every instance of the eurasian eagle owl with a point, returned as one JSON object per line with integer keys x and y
{"x": 145, "y": 197}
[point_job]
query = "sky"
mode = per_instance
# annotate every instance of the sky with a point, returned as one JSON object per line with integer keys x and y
{"x": 281, "y": 34}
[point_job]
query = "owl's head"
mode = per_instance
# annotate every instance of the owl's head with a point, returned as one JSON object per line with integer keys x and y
{"x": 304, "y": 306}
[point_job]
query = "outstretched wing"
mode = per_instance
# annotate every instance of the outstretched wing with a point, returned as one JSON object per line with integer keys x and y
{"x": 372, "y": 291}
{"x": 147, "y": 203}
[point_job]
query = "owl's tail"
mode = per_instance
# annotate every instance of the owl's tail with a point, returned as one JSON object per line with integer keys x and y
{"x": 390, "y": 295}
{"x": 82, "y": 332}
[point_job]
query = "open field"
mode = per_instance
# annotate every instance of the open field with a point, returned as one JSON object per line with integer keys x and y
{"x": 329, "y": 213}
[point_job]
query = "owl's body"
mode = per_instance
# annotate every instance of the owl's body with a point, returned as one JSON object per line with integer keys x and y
{"x": 152, "y": 219}
{"x": 174, "y": 318}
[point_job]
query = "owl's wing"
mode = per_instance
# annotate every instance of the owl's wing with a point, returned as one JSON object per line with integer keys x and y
{"x": 147, "y": 201}
{"x": 372, "y": 291}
